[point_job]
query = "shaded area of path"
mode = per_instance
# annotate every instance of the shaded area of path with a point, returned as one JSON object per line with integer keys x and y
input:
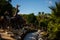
{"x": 30, "y": 36}
{"x": 33, "y": 36}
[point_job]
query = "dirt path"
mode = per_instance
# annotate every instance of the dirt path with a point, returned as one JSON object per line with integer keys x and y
{"x": 4, "y": 35}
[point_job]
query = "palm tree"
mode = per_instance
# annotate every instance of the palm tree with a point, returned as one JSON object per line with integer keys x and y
{"x": 53, "y": 27}
{"x": 56, "y": 9}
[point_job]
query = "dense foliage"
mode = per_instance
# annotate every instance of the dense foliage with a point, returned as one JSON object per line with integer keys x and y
{"x": 9, "y": 16}
{"x": 54, "y": 23}
{"x": 47, "y": 22}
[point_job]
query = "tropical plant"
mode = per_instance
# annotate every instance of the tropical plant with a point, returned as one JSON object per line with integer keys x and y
{"x": 54, "y": 24}
{"x": 56, "y": 9}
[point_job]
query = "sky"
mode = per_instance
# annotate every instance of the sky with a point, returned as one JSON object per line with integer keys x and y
{"x": 34, "y": 6}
